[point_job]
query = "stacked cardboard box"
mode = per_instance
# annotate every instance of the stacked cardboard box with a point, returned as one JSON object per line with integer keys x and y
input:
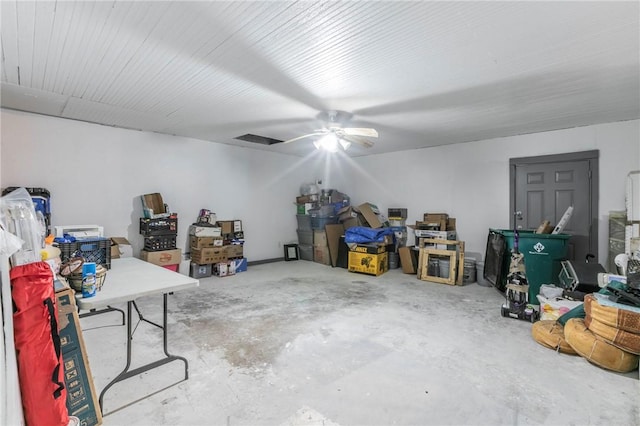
{"x": 366, "y": 214}
{"x": 217, "y": 249}
{"x": 314, "y": 213}
{"x": 159, "y": 229}
{"x": 432, "y": 226}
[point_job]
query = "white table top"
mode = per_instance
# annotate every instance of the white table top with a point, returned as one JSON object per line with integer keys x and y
{"x": 130, "y": 278}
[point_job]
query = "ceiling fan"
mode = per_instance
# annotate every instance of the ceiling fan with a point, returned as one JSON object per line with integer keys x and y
{"x": 334, "y": 134}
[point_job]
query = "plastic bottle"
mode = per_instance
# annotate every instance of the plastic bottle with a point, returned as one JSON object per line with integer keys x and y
{"x": 88, "y": 279}
{"x": 49, "y": 251}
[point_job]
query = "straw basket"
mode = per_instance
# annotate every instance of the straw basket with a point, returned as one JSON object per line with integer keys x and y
{"x": 75, "y": 279}
{"x": 72, "y": 271}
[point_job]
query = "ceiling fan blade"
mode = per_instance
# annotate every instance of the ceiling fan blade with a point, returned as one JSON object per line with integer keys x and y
{"x": 359, "y": 140}
{"x": 304, "y": 136}
{"x": 360, "y": 131}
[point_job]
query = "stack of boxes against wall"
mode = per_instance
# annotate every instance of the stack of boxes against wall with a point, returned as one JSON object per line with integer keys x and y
{"x": 331, "y": 207}
{"x": 217, "y": 249}
{"x": 159, "y": 228}
{"x": 314, "y": 212}
{"x": 160, "y": 237}
{"x": 370, "y": 258}
{"x": 442, "y": 227}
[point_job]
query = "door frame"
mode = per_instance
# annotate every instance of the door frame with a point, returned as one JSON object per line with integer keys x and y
{"x": 594, "y": 195}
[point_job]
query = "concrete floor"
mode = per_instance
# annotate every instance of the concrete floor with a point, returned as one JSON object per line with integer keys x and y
{"x": 298, "y": 343}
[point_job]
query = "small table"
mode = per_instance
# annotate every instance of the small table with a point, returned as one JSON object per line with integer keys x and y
{"x": 128, "y": 279}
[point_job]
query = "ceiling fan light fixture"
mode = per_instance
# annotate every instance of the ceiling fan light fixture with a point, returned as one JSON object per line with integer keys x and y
{"x": 329, "y": 142}
{"x": 345, "y": 144}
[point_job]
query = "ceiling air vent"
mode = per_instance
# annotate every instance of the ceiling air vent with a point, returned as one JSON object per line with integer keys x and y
{"x": 262, "y": 140}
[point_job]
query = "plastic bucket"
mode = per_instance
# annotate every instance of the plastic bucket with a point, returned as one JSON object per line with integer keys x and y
{"x": 443, "y": 265}
{"x": 469, "y": 273}
{"x": 433, "y": 268}
{"x": 393, "y": 260}
{"x": 480, "y": 274}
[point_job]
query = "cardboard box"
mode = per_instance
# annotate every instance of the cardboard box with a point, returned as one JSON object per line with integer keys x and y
{"x": 372, "y": 215}
{"x": 435, "y": 217}
{"x": 233, "y": 250}
{"x": 408, "y": 260}
{"x": 203, "y": 242}
{"x": 165, "y": 257}
{"x": 367, "y": 263}
{"x": 224, "y": 269}
{"x": 82, "y": 400}
{"x": 350, "y": 216}
{"x": 372, "y": 248}
{"x": 153, "y": 206}
{"x": 451, "y": 224}
{"x": 115, "y": 253}
{"x": 205, "y": 231}
{"x": 208, "y": 255}
{"x": 304, "y": 199}
{"x": 334, "y": 232}
{"x": 437, "y": 222}
{"x": 321, "y": 254}
{"x": 120, "y": 247}
{"x": 319, "y": 237}
{"x": 240, "y": 265}
{"x": 230, "y": 226}
{"x": 347, "y": 212}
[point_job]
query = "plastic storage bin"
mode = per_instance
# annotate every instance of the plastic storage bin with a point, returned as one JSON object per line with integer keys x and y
{"x": 542, "y": 256}
{"x": 306, "y": 252}
{"x": 160, "y": 242}
{"x": 161, "y": 226}
{"x": 96, "y": 250}
{"x": 304, "y": 222}
{"x": 318, "y": 222}
{"x": 305, "y": 237}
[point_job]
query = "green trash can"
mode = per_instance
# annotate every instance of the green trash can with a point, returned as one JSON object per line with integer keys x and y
{"x": 542, "y": 256}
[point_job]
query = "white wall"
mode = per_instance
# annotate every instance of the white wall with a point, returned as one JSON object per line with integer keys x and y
{"x": 96, "y": 175}
{"x": 470, "y": 181}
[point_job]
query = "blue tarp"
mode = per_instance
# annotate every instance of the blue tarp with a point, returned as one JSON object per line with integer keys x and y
{"x": 362, "y": 235}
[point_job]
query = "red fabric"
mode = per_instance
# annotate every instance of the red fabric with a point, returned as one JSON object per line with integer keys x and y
{"x": 31, "y": 290}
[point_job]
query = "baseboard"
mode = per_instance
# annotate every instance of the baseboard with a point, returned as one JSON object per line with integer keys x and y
{"x": 260, "y": 262}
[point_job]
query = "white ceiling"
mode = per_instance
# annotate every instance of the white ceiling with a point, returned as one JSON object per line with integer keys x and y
{"x": 421, "y": 73}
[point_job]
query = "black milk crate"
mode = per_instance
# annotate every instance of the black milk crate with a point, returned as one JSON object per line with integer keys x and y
{"x": 160, "y": 226}
{"x": 96, "y": 250}
{"x": 160, "y": 242}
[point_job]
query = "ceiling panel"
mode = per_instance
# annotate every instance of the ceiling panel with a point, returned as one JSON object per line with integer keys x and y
{"x": 421, "y": 73}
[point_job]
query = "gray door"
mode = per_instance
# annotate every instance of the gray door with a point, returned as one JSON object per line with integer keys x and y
{"x": 544, "y": 187}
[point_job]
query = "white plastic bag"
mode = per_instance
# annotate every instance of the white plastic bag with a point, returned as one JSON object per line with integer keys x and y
{"x": 554, "y": 308}
{"x": 18, "y": 217}
{"x": 550, "y": 291}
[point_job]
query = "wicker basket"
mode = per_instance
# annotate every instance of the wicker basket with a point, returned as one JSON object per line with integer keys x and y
{"x": 75, "y": 279}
